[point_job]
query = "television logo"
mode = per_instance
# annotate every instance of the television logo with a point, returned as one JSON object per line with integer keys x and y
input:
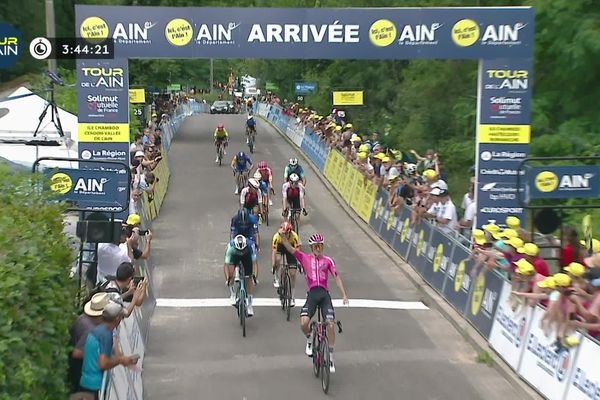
{"x": 10, "y": 45}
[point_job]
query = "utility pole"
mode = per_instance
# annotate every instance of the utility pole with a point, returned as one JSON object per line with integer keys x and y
{"x": 212, "y": 74}
{"x": 50, "y": 30}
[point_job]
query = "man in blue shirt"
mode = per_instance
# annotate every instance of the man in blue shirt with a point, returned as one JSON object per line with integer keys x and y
{"x": 98, "y": 350}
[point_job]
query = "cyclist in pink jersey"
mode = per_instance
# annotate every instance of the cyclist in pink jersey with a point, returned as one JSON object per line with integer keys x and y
{"x": 317, "y": 268}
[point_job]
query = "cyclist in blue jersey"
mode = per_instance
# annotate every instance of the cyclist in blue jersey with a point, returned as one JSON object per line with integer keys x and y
{"x": 241, "y": 164}
{"x": 250, "y": 126}
{"x": 246, "y": 224}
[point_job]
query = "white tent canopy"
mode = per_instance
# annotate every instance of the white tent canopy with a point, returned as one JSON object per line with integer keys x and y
{"x": 19, "y": 118}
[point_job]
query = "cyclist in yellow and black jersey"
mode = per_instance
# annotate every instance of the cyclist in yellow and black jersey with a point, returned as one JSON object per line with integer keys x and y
{"x": 279, "y": 249}
{"x": 221, "y": 137}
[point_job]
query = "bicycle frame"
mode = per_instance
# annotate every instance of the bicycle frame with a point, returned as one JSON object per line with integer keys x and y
{"x": 286, "y": 289}
{"x": 242, "y": 295}
{"x": 320, "y": 348}
{"x": 241, "y": 179}
{"x": 293, "y": 218}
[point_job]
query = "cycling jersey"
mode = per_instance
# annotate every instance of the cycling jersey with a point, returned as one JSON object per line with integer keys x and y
{"x": 248, "y": 229}
{"x": 221, "y": 134}
{"x": 289, "y": 170}
{"x": 293, "y": 239}
{"x": 316, "y": 269}
{"x": 250, "y": 198}
{"x": 266, "y": 174}
{"x": 243, "y": 164}
{"x": 246, "y": 257}
{"x": 290, "y": 192}
{"x": 251, "y": 123}
{"x": 263, "y": 187}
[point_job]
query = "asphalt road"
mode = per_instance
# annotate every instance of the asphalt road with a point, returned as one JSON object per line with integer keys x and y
{"x": 199, "y": 353}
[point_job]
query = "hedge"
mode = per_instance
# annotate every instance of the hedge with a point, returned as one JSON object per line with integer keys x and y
{"x": 37, "y": 305}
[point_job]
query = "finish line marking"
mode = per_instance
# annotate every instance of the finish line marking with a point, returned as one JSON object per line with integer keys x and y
{"x": 273, "y": 302}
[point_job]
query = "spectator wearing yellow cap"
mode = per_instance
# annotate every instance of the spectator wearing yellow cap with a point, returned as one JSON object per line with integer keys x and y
{"x": 364, "y": 165}
{"x": 541, "y": 292}
{"x": 530, "y": 252}
{"x": 367, "y": 142}
{"x": 576, "y": 271}
{"x": 562, "y": 310}
{"x": 377, "y": 162}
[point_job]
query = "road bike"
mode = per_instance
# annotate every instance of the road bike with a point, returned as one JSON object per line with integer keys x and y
{"x": 251, "y": 134}
{"x": 320, "y": 349}
{"x": 241, "y": 179}
{"x": 220, "y": 152}
{"x": 242, "y": 298}
{"x": 293, "y": 217}
{"x": 285, "y": 288}
{"x": 265, "y": 206}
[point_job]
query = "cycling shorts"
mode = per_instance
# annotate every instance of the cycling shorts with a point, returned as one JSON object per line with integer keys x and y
{"x": 289, "y": 258}
{"x": 294, "y": 204}
{"x": 220, "y": 139}
{"x": 318, "y": 296}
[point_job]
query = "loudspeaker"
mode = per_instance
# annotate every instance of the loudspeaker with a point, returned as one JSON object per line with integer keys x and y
{"x": 547, "y": 221}
{"x": 99, "y": 231}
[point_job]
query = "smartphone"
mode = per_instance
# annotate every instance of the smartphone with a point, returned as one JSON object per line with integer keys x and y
{"x": 137, "y": 280}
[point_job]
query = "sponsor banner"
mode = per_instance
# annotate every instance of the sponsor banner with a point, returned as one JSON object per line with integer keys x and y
{"x": 485, "y": 293}
{"x": 404, "y": 232}
{"x": 174, "y": 87}
{"x": 105, "y": 190}
{"x": 319, "y": 33}
{"x": 314, "y": 148}
{"x": 271, "y": 86}
{"x": 506, "y": 97}
{"x": 379, "y": 205}
{"x": 305, "y": 88}
{"x": 363, "y": 195}
{"x": 132, "y": 342}
{"x": 440, "y": 252}
{"x": 104, "y": 152}
{"x": 101, "y": 132}
{"x": 12, "y": 46}
{"x": 353, "y": 98}
{"x": 564, "y": 182}
{"x": 509, "y": 330}
{"x": 542, "y": 366}
{"x": 103, "y": 91}
{"x": 349, "y": 179}
{"x": 295, "y": 131}
{"x": 459, "y": 281}
{"x": 585, "y": 380}
{"x": 137, "y": 96}
{"x": 506, "y": 134}
{"x": 418, "y": 255}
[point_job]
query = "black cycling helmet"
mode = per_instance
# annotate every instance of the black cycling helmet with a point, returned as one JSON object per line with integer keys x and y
{"x": 243, "y": 215}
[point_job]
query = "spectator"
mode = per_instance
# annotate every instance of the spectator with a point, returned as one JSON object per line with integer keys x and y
{"x": 445, "y": 217}
{"x": 111, "y": 255}
{"x": 130, "y": 290}
{"x": 98, "y": 350}
{"x": 91, "y": 317}
{"x": 572, "y": 250}
{"x": 530, "y": 252}
{"x": 429, "y": 161}
{"x": 137, "y": 145}
{"x": 146, "y": 137}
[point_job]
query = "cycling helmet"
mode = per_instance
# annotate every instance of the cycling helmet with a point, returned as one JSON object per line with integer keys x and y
{"x": 253, "y": 182}
{"x": 243, "y": 215}
{"x": 241, "y": 155}
{"x": 220, "y": 127}
{"x": 293, "y": 162}
{"x": 257, "y": 175}
{"x": 316, "y": 238}
{"x": 262, "y": 164}
{"x": 294, "y": 177}
{"x": 240, "y": 242}
{"x": 250, "y": 117}
{"x": 286, "y": 227}
{"x": 411, "y": 168}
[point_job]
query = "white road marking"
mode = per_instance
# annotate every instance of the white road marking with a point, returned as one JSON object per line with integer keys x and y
{"x": 273, "y": 302}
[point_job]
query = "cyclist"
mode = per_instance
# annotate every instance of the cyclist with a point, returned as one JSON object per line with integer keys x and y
{"x": 250, "y": 127}
{"x": 241, "y": 250}
{"x": 263, "y": 188}
{"x": 316, "y": 269}
{"x": 293, "y": 195}
{"x": 251, "y": 198}
{"x": 294, "y": 167}
{"x": 279, "y": 250}
{"x": 266, "y": 175}
{"x": 245, "y": 224}
{"x": 221, "y": 138}
{"x": 241, "y": 164}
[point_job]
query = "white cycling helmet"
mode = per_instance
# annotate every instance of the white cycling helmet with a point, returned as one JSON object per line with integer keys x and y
{"x": 250, "y": 117}
{"x": 240, "y": 242}
{"x": 411, "y": 168}
{"x": 294, "y": 177}
{"x": 257, "y": 175}
{"x": 253, "y": 182}
{"x": 293, "y": 162}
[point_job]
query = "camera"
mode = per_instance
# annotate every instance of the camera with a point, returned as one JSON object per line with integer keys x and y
{"x": 137, "y": 280}
{"x": 143, "y": 232}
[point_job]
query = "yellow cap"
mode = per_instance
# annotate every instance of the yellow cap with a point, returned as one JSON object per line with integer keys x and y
{"x": 595, "y": 245}
{"x": 505, "y": 234}
{"x": 429, "y": 174}
{"x": 571, "y": 341}
{"x": 381, "y": 156}
{"x": 363, "y": 148}
{"x": 524, "y": 267}
{"x": 362, "y": 155}
{"x": 133, "y": 219}
{"x": 386, "y": 159}
{"x": 355, "y": 138}
{"x": 562, "y": 280}
{"x": 492, "y": 228}
{"x": 479, "y": 236}
{"x": 338, "y": 128}
{"x": 530, "y": 249}
{"x": 515, "y": 242}
{"x": 348, "y": 126}
{"x": 513, "y": 222}
{"x": 575, "y": 269}
{"x": 547, "y": 283}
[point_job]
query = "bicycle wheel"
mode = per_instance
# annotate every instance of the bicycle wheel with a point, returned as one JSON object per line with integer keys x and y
{"x": 315, "y": 351}
{"x": 295, "y": 223}
{"x": 220, "y": 155}
{"x": 251, "y": 143}
{"x": 242, "y": 311}
{"x": 288, "y": 294}
{"x": 266, "y": 212}
{"x": 325, "y": 364}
